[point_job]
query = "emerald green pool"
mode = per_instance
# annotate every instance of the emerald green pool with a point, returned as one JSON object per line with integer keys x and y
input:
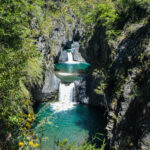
{"x": 68, "y": 50}
{"x": 78, "y": 124}
{"x": 72, "y": 67}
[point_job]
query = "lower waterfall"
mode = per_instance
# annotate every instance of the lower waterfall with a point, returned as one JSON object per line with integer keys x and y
{"x": 66, "y": 97}
{"x": 66, "y": 92}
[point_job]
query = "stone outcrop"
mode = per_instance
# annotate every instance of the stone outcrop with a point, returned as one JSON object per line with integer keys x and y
{"x": 76, "y": 53}
{"x": 63, "y": 56}
{"x": 128, "y": 118}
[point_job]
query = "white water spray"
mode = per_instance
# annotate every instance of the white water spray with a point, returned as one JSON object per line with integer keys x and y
{"x": 70, "y": 57}
{"x": 66, "y": 92}
{"x": 66, "y": 97}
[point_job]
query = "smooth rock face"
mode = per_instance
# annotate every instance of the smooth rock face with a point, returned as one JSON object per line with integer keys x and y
{"x": 48, "y": 90}
{"x": 51, "y": 83}
{"x": 86, "y": 94}
{"x": 63, "y": 56}
{"x": 81, "y": 92}
{"x": 95, "y": 49}
{"x": 75, "y": 51}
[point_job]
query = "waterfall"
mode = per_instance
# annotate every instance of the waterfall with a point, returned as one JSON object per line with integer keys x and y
{"x": 70, "y": 57}
{"x": 66, "y": 92}
{"x": 66, "y": 97}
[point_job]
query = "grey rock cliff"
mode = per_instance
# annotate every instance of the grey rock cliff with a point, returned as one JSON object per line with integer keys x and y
{"x": 63, "y": 56}
{"x": 128, "y": 118}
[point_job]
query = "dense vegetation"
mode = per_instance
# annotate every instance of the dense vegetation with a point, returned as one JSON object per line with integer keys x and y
{"x": 21, "y": 63}
{"x": 20, "y": 68}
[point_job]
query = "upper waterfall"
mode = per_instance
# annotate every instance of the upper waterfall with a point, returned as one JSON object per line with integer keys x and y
{"x": 70, "y": 57}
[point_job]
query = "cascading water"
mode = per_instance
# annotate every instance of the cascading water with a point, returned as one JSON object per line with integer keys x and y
{"x": 66, "y": 92}
{"x": 70, "y": 57}
{"x": 66, "y": 97}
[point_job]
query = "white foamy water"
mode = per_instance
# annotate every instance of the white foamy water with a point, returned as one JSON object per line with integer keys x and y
{"x": 66, "y": 97}
{"x": 64, "y": 74}
{"x": 70, "y": 57}
{"x": 72, "y": 62}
